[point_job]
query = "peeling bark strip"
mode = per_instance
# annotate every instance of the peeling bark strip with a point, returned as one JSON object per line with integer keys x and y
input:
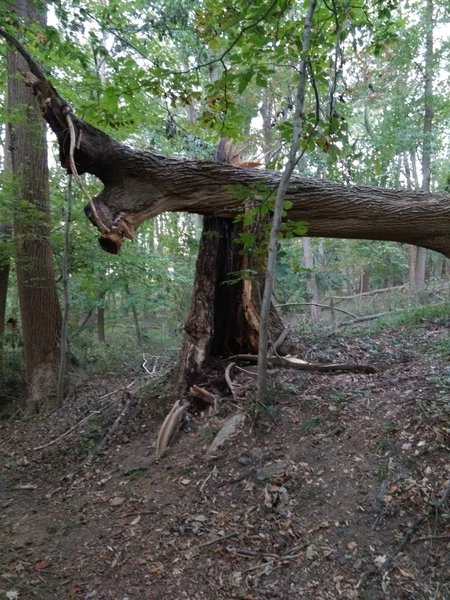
{"x": 140, "y": 185}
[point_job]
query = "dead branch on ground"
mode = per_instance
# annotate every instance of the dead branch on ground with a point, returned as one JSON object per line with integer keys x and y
{"x": 111, "y": 431}
{"x": 292, "y": 362}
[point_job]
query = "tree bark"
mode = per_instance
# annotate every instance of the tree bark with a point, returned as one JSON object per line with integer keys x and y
{"x": 5, "y": 254}
{"x": 39, "y": 305}
{"x": 4, "y": 276}
{"x": 139, "y": 185}
{"x": 101, "y": 338}
{"x": 225, "y": 314}
{"x": 311, "y": 282}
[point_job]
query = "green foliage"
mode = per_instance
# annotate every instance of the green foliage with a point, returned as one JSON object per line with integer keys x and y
{"x": 386, "y": 440}
{"x": 414, "y": 316}
{"x": 310, "y": 423}
{"x": 173, "y": 77}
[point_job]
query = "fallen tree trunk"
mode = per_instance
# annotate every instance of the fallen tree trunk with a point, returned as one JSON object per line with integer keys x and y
{"x": 139, "y": 185}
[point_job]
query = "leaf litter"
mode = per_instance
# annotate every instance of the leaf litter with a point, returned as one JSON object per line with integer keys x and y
{"x": 332, "y": 495}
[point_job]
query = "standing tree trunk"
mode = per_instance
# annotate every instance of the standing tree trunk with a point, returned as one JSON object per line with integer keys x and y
{"x": 4, "y": 276}
{"x": 421, "y": 255}
{"x": 311, "y": 282}
{"x": 5, "y": 258}
{"x": 39, "y": 305}
{"x": 282, "y": 188}
{"x": 226, "y": 302}
{"x": 101, "y": 337}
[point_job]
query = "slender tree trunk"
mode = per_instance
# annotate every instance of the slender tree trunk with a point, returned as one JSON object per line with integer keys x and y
{"x": 364, "y": 280}
{"x": 412, "y": 250}
{"x": 39, "y": 305}
{"x": 136, "y": 324}
{"x": 101, "y": 324}
{"x": 5, "y": 258}
{"x": 412, "y": 261}
{"x": 421, "y": 256}
{"x": 4, "y": 277}
{"x": 134, "y": 312}
{"x": 311, "y": 283}
{"x": 264, "y": 334}
{"x": 420, "y": 271}
{"x": 63, "y": 361}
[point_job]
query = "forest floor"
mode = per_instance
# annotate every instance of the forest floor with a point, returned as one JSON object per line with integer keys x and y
{"x": 332, "y": 492}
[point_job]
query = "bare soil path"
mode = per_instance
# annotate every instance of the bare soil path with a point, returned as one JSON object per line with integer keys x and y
{"x": 307, "y": 501}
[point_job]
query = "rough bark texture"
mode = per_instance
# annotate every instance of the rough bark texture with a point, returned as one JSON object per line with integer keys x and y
{"x": 225, "y": 312}
{"x": 140, "y": 185}
{"x": 4, "y": 276}
{"x": 39, "y": 305}
{"x": 311, "y": 282}
{"x": 5, "y": 235}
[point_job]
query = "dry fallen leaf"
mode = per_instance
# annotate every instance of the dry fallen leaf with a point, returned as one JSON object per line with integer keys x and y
{"x": 75, "y": 592}
{"x": 380, "y": 560}
{"x": 117, "y": 501}
{"x": 40, "y": 565}
{"x": 407, "y": 573}
{"x": 200, "y": 518}
{"x": 311, "y": 552}
{"x": 156, "y": 569}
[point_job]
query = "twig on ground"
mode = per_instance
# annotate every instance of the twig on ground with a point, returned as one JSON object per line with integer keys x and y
{"x": 213, "y": 470}
{"x": 424, "y": 538}
{"x": 269, "y": 563}
{"x": 435, "y": 509}
{"x": 201, "y": 394}
{"x": 369, "y": 318}
{"x": 66, "y": 433}
{"x": 252, "y": 373}
{"x": 127, "y": 387}
{"x": 123, "y": 413}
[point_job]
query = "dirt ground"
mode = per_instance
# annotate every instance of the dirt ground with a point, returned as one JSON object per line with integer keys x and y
{"x": 331, "y": 492}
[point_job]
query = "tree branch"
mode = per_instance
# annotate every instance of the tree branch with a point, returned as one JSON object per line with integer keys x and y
{"x": 140, "y": 185}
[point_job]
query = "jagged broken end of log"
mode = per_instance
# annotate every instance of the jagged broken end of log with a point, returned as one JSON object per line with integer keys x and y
{"x": 111, "y": 242}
